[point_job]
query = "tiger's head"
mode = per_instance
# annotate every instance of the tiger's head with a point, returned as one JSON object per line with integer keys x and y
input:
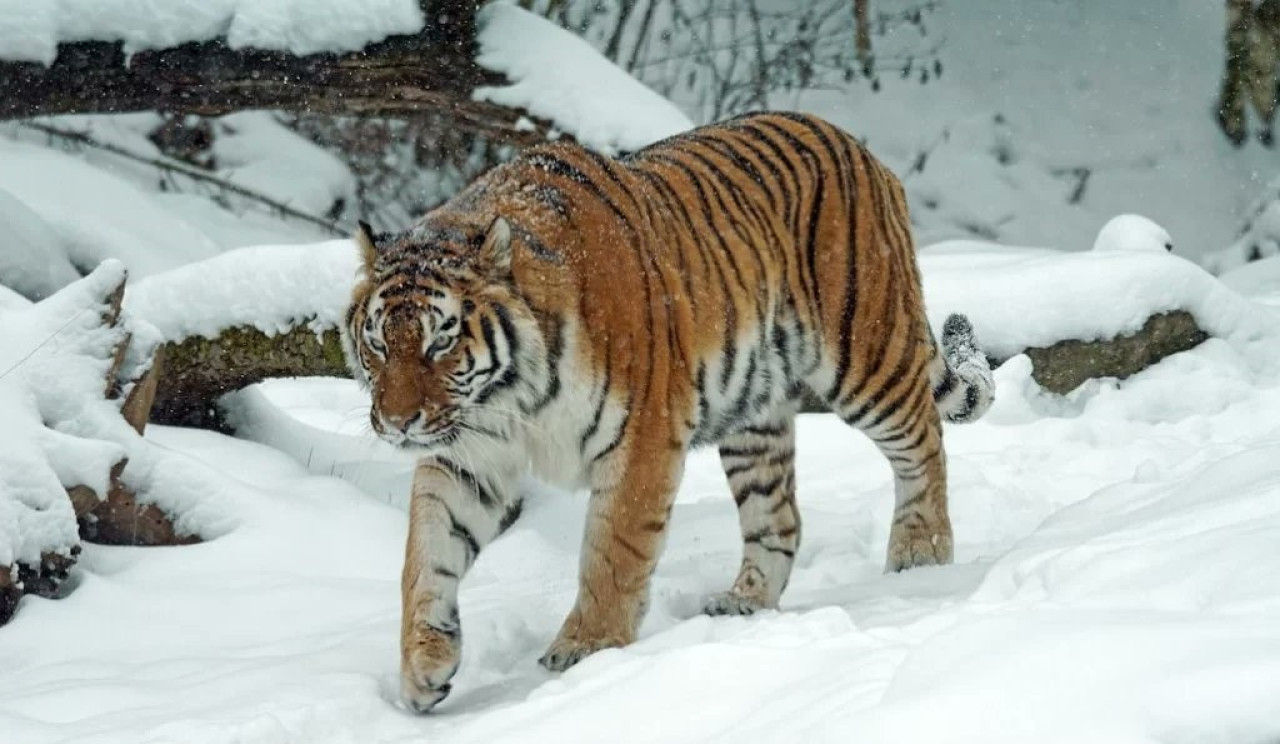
{"x": 433, "y": 330}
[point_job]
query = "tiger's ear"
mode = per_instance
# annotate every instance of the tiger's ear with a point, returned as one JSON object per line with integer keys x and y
{"x": 497, "y": 245}
{"x": 368, "y": 244}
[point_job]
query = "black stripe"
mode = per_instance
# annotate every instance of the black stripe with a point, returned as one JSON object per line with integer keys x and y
{"x": 510, "y": 516}
{"x": 599, "y": 409}
{"x": 555, "y": 348}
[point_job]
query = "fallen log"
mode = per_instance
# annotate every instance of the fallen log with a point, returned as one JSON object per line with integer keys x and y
{"x": 1066, "y": 365}
{"x": 199, "y": 370}
{"x": 433, "y": 70}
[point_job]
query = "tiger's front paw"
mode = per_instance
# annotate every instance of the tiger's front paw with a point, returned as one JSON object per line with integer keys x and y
{"x": 923, "y": 547}
{"x": 565, "y": 652}
{"x": 428, "y": 660}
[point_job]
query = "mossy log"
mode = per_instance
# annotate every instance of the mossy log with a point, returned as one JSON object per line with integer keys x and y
{"x": 1066, "y": 365}
{"x": 199, "y": 370}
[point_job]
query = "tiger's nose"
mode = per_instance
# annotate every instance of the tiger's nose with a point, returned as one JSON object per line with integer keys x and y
{"x": 401, "y": 422}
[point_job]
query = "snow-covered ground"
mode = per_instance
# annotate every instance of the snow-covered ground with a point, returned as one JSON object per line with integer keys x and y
{"x": 1116, "y": 579}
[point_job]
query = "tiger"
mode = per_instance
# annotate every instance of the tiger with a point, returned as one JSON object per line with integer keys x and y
{"x": 589, "y": 320}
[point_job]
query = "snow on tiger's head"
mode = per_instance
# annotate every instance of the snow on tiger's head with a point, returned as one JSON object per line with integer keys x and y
{"x": 433, "y": 328}
{"x": 1133, "y": 232}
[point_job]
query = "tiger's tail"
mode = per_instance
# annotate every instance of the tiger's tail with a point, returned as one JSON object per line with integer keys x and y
{"x": 963, "y": 387}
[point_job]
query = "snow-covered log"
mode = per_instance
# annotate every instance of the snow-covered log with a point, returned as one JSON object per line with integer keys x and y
{"x": 420, "y": 57}
{"x": 273, "y": 311}
{"x": 519, "y": 80}
{"x": 76, "y": 382}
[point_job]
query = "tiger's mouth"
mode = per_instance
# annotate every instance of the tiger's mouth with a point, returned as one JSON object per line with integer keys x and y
{"x": 421, "y": 441}
{"x": 433, "y": 440}
{"x": 434, "y": 434}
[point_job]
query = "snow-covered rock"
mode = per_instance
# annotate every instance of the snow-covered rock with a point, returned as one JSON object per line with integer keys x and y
{"x": 1133, "y": 232}
{"x": 57, "y": 430}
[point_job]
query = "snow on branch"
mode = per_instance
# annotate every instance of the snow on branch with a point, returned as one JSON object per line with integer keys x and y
{"x": 560, "y": 77}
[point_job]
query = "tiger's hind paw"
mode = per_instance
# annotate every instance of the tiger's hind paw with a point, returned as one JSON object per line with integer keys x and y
{"x": 918, "y": 549}
{"x": 733, "y": 603}
{"x": 566, "y": 652}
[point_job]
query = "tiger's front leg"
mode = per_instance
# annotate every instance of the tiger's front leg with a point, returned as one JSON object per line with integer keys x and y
{"x": 626, "y": 528}
{"x": 453, "y": 513}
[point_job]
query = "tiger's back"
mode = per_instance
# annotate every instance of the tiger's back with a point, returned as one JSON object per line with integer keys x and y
{"x": 730, "y": 265}
{"x": 684, "y": 295}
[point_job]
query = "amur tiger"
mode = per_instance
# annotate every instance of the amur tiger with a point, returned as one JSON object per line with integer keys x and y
{"x": 592, "y": 319}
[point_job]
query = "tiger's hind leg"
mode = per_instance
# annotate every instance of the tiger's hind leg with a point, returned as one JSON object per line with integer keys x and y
{"x": 903, "y": 422}
{"x": 921, "y": 531}
{"x": 760, "y": 464}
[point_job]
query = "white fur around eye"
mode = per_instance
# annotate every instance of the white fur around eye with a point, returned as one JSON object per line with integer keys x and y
{"x": 372, "y": 336}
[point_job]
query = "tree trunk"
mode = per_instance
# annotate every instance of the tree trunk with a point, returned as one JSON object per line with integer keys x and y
{"x": 433, "y": 70}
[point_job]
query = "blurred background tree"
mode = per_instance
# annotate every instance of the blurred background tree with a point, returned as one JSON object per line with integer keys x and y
{"x": 1249, "y": 76}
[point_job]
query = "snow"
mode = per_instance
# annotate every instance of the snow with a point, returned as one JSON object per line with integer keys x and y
{"x": 270, "y": 287}
{"x": 94, "y": 215}
{"x": 252, "y": 149}
{"x": 1116, "y": 577}
{"x": 312, "y": 26}
{"x": 1133, "y": 232}
{"x": 1260, "y": 237}
{"x": 32, "y": 32}
{"x": 1116, "y": 580}
{"x": 1257, "y": 278}
{"x": 68, "y": 212}
{"x": 558, "y": 76}
{"x": 32, "y": 261}
{"x": 60, "y": 431}
{"x": 53, "y": 366}
{"x": 11, "y": 300}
